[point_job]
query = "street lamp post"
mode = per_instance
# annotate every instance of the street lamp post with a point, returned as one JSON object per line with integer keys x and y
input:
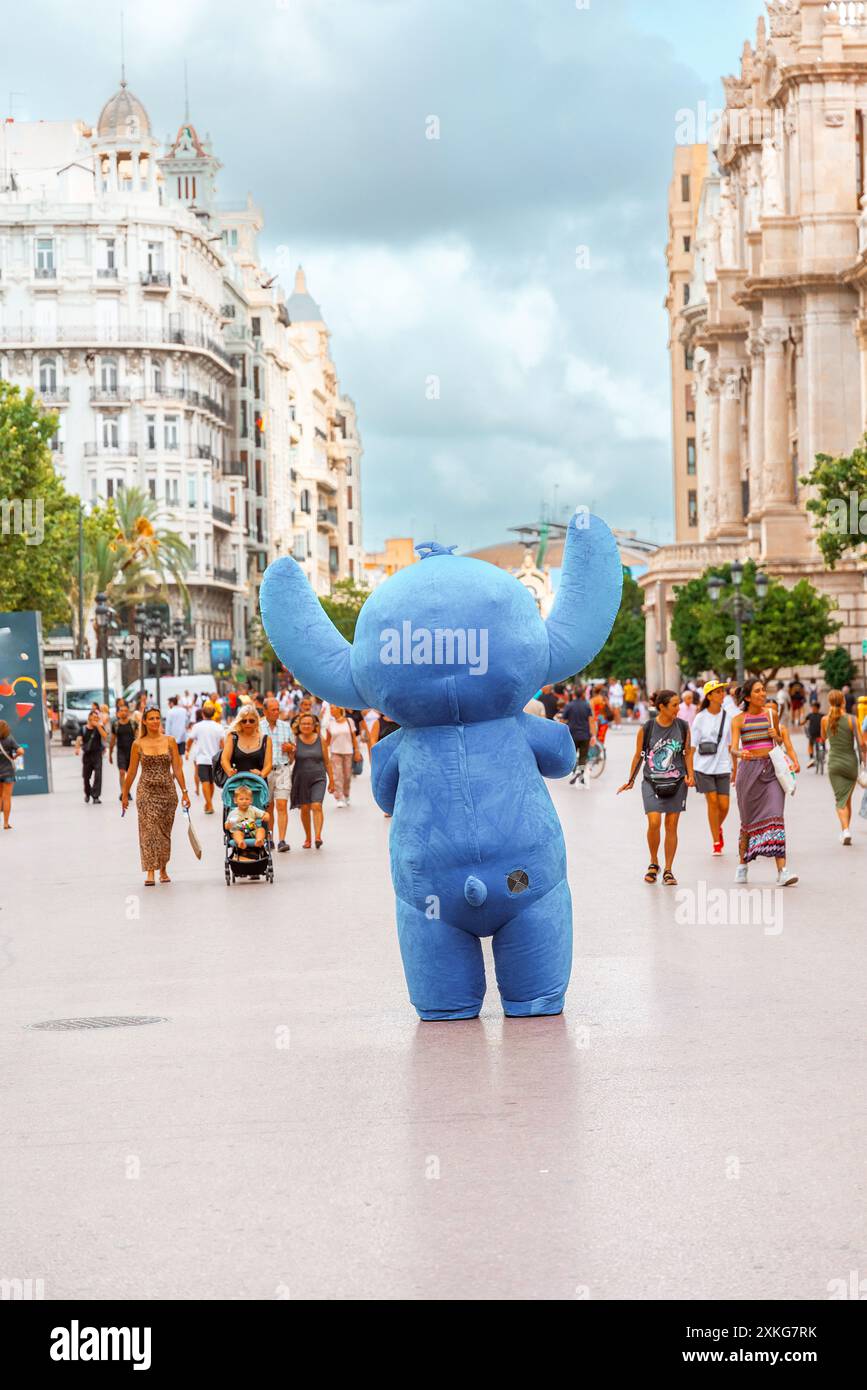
{"x": 740, "y": 608}
{"x": 179, "y": 631}
{"x": 141, "y": 627}
{"x": 103, "y": 613}
{"x": 157, "y": 632}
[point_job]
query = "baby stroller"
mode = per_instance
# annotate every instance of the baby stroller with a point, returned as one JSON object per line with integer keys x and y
{"x": 261, "y": 863}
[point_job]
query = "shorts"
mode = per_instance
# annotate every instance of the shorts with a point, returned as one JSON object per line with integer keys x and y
{"x": 280, "y": 782}
{"x": 719, "y": 782}
{"x": 182, "y": 743}
{"x": 205, "y": 771}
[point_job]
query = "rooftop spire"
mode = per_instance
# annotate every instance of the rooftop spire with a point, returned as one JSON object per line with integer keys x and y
{"x": 300, "y": 281}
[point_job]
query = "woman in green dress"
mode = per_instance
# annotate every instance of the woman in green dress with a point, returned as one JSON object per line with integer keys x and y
{"x": 846, "y": 749}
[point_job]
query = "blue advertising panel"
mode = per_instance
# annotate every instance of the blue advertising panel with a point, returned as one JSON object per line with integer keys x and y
{"x": 221, "y": 655}
{"x": 22, "y": 699}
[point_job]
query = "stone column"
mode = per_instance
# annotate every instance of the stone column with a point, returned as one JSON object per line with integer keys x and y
{"x": 757, "y": 421}
{"x": 777, "y": 479}
{"x": 731, "y": 512}
{"x": 710, "y": 485}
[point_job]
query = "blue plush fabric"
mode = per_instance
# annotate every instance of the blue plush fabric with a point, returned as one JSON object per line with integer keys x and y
{"x": 452, "y": 649}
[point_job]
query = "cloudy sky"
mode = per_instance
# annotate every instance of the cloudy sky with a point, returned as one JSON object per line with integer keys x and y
{"x": 495, "y": 293}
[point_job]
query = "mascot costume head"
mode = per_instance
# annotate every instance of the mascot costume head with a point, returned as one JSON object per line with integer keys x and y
{"x": 451, "y": 649}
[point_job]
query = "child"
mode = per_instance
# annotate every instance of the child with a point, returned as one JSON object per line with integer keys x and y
{"x": 814, "y": 731}
{"x": 246, "y": 819}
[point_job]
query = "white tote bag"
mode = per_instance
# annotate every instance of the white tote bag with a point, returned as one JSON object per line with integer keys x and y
{"x": 785, "y": 775}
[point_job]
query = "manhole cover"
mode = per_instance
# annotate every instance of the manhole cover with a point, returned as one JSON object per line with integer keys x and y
{"x": 66, "y": 1025}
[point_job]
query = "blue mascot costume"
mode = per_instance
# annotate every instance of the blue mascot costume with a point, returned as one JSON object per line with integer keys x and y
{"x": 452, "y": 649}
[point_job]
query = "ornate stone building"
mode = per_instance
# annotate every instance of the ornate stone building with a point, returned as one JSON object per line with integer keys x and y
{"x": 776, "y": 321}
{"x": 138, "y": 307}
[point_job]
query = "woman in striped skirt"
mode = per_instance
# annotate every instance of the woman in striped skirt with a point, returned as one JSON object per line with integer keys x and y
{"x": 761, "y": 799}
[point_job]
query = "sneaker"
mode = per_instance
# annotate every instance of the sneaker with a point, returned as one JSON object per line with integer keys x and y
{"x": 282, "y": 847}
{"x": 741, "y": 873}
{"x": 86, "y": 797}
{"x": 96, "y": 801}
{"x": 785, "y": 878}
{"x": 718, "y": 849}
{"x": 846, "y": 837}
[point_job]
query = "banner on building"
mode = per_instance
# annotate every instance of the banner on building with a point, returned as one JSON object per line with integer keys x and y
{"x": 22, "y": 699}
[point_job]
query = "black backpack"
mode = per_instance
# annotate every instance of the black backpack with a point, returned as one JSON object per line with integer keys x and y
{"x": 664, "y": 787}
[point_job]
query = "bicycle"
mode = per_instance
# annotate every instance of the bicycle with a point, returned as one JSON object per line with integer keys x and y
{"x": 594, "y": 766}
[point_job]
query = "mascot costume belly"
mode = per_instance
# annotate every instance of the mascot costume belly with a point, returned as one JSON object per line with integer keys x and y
{"x": 452, "y": 649}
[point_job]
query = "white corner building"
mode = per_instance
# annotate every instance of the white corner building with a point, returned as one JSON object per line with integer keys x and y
{"x": 137, "y": 307}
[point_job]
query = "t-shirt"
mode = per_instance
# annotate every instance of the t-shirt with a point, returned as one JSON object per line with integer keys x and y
{"x": 578, "y": 715}
{"x": 630, "y": 693}
{"x": 91, "y": 743}
{"x": 814, "y": 724}
{"x": 11, "y": 749}
{"x": 664, "y": 747}
{"x": 849, "y": 697}
{"x": 176, "y": 723}
{"x": 207, "y": 739}
{"x": 340, "y": 732}
{"x": 244, "y": 820}
{"x": 551, "y": 703}
{"x": 705, "y": 726}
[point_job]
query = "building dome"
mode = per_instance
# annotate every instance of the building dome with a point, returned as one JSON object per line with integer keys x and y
{"x": 123, "y": 116}
{"x": 301, "y": 306}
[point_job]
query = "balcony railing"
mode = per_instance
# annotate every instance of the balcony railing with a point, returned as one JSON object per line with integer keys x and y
{"x": 90, "y": 334}
{"x": 155, "y": 279}
{"x": 106, "y": 272}
{"x": 45, "y": 272}
{"x": 327, "y": 515}
{"x": 225, "y": 576}
{"x": 234, "y": 468}
{"x": 222, "y": 515}
{"x": 204, "y": 451}
{"x": 105, "y": 395}
{"x": 115, "y": 450}
{"x": 54, "y": 393}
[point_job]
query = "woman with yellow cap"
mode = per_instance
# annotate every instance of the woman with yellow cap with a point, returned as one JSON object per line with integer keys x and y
{"x": 712, "y": 741}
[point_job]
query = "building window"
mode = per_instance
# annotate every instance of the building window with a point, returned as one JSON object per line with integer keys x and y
{"x": 45, "y": 257}
{"x": 684, "y": 188}
{"x": 688, "y": 359}
{"x": 257, "y": 327}
{"x": 349, "y": 533}
{"x": 194, "y": 552}
{"x": 305, "y": 501}
{"x": 349, "y": 497}
{"x": 690, "y": 417}
{"x": 150, "y": 431}
{"x": 686, "y": 294}
{"x": 173, "y": 492}
{"x": 158, "y": 378}
{"x": 690, "y": 457}
{"x": 349, "y": 468}
{"x": 859, "y": 158}
{"x": 692, "y": 507}
{"x": 299, "y": 548}
{"x": 191, "y": 490}
{"x": 108, "y": 374}
{"x": 110, "y": 433}
{"x": 206, "y": 492}
{"x": 152, "y": 488}
{"x": 687, "y": 244}
{"x": 108, "y": 253}
{"x": 171, "y": 432}
{"x": 113, "y": 487}
{"x": 48, "y": 375}
{"x": 154, "y": 257}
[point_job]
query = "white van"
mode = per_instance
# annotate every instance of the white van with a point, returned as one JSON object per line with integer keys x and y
{"x": 201, "y": 683}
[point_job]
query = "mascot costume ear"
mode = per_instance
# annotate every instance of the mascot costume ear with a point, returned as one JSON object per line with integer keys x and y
{"x": 451, "y": 649}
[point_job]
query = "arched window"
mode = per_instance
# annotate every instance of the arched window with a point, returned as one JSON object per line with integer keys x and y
{"x": 47, "y": 375}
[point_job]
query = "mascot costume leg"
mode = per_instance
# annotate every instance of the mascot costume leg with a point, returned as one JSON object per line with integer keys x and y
{"x": 452, "y": 649}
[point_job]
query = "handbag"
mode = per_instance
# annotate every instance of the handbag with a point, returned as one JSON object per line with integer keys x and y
{"x": 862, "y": 776}
{"x": 664, "y": 787}
{"x": 218, "y": 771}
{"x": 707, "y": 748}
{"x": 193, "y": 837}
{"x": 784, "y": 774}
{"x": 357, "y": 766}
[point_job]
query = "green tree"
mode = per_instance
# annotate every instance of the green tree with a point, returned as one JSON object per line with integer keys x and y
{"x": 344, "y": 604}
{"x": 840, "y": 490}
{"x": 623, "y": 653}
{"x": 790, "y": 628}
{"x": 838, "y": 668}
{"x": 39, "y": 522}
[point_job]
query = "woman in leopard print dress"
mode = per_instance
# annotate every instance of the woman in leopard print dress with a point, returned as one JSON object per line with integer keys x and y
{"x": 156, "y": 800}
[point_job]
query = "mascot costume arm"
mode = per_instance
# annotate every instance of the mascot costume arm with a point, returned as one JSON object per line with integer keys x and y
{"x": 384, "y": 771}
{"x": 552, "y": 745}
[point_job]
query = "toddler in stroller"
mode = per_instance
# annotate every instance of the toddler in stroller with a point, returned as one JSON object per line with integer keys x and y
{"x": 246, "y": 829}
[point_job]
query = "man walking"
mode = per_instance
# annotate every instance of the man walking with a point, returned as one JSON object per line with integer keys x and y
{"x": 205, "y": 740}
{"x": 177, "y": 720}
{"x": 91, "y": 744}
{"x": 582, "y": 726}
{"x": 280, "y": 777}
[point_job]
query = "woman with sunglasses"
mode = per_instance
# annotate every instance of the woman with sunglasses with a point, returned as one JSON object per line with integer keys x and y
{"x": 246, "y": 748}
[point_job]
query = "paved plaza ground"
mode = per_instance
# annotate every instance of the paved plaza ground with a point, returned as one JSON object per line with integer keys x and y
{"x": 693, "y": 1126}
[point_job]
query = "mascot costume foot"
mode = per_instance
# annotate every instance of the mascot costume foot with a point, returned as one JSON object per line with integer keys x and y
{"x": 452, "y": 649}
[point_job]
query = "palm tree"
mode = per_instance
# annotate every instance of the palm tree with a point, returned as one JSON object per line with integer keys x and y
{"x": 129, "y": 557}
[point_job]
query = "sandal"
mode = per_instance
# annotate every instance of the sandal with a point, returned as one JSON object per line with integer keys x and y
{"x": 669, "y": 879}
{"x": 652, "y": 872}
{"x": 307, "y": 845}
